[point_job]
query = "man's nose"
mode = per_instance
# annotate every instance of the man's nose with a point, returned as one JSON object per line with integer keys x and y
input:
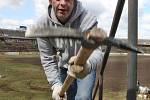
{"x": 63, "y": 2}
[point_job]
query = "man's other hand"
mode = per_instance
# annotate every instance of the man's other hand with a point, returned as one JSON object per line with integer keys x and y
{"x": 77, "y": 70}
{"x": 55, "y": 94}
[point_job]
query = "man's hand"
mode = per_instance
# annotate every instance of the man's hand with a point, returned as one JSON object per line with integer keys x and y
{"x": 78, "y": 71}
{"x": 97, "y": 34}
{"x": 55, "y": 94}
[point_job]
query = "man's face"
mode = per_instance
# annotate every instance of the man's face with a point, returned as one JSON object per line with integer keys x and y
{"x": 62, "y": 8}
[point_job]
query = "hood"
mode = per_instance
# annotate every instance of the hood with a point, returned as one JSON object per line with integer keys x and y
{"x": 77, "y": 11}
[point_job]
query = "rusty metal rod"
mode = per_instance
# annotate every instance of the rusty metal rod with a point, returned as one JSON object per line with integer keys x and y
{"x": 113, "y": 30}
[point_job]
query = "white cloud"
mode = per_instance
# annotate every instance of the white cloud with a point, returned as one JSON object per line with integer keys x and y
{"x": 10, "y": 23}
{"x": 41, "y": 6}
{"x": 144, "y": 26}
{"x": 142, "y": 3}
{"x": 106, "y": 14}
{"x": 2, "y": 4}
{"x": 95, "y": 8}
{"x": 145, "y": 21}
{"x": 105, "y": 9}
{"x": 16, "y": 2}
{"x": 10, "y": 3}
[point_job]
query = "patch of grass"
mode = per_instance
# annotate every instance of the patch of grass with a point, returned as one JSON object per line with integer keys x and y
{"x": 22, "y": 81}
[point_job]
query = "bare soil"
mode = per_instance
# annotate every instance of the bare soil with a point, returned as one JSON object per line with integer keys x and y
{"x": 115, "y": 75}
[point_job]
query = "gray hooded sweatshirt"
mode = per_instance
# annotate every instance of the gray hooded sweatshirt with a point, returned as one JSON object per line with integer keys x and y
{"x": 50, "y": 48}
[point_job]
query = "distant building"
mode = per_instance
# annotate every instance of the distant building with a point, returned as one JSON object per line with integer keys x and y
{"x": 12, "y": 33}
{"x": 15, "y": 40}
{"x": 24, "y": 28}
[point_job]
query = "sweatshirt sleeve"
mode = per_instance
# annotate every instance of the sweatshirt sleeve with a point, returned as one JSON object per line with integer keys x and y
{"x": 49, "y": 61}
{"x": 96, "y": 58}
{"x": 88, "y": 21}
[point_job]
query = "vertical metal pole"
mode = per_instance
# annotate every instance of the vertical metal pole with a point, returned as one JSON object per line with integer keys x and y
{"x": 132, "y": 56}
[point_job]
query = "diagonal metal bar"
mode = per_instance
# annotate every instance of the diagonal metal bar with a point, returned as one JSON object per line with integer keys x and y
{"x": 116, "y": 19}
{"x": 110, "y": 41}
{"x": 113, "y": 30}
{"x": 122, "y": 45}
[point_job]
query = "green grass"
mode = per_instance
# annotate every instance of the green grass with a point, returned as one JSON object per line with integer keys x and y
{"x": 22, "y": 81}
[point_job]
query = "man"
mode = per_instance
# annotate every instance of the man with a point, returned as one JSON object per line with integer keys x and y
{"x": 55, "y": 53}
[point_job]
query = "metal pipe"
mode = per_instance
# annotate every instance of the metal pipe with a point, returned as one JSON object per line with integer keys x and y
{"x": 114, "y": 26}
{"x": 132, "y": 56}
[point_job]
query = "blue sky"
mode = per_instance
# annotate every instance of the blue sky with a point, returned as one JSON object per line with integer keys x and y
{"x": 14, "y": 13}
{"x": 22, "y": 12}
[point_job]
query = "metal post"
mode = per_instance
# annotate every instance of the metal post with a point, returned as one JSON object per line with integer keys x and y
{"x": 132, "y": 56}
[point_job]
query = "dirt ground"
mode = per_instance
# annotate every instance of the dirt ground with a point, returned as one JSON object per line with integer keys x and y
{"x": 115, "y": 75}
{"x": 116, "y": 78}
